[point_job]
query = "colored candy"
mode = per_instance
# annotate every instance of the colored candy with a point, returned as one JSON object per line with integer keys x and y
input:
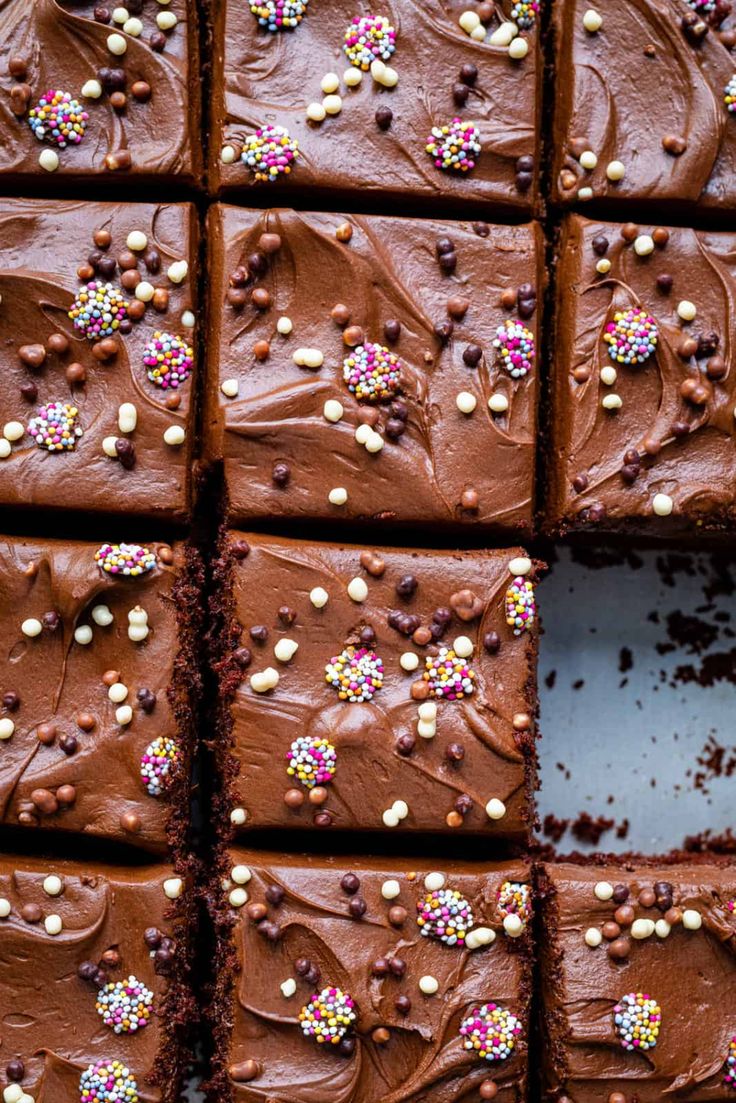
{"x": 157, "y": 762}
{"x": 521, "y": 608}
{"x": 169, "y": 360}
{"x": 356, "y": 674}
{"x": 524, "y": 13}
{"x": 729, "y": 95}
{"x": 448, "y": 675}
{"x": 312, "y": 761}
{"x": 98, "y": 310}
{"x": 515, "y": 344}
{"x": 515, "y": 898}
{"x": 372, "y": 373}
{"x": 631, "y": 336}
{"x": 455, "y": 146}
{"x": 270, "y": 152}
{"x": 279, "y": 15}
{"x": 491, "y": 1031}
{"x": 328, "y": 1016}
{"x": 704, "y": 7}
{"x": 445, "y": 915}
{"x": 107, "y": 1082}
{"x": 729, "y": 1074}
{"x": 54, "y": 428}
{"x": 367, "y": 39}
{"x": 125, "y": 1005}
{"x": 125, "y": 559}
{"x": 58, "y": 119}
{"x": 637, "y": 1018}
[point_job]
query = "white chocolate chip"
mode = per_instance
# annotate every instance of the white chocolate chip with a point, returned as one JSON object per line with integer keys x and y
{"x": 166, "y": 20}
{"x": 603, "y": 266}
{"x": 144, "y": 291}
{"x": 91, "y": 89}
{"x": 108, "y": 447}
{"x": 284, "y": 326}
{"x": 315, "y": 112}
{"x": 174, "y": 436}
{"x": 53, "y": 924}
{"x": 83, "y": 634}
{"x": 330, "y": 83}
{"x": 662, "y": 928}
{"x": 119, "y": 15}
{"x": 238, "y": 897}
{"x": 612, "y": 402}
{"x": 426, "y": 729}
{"x": 692, "y": 920}
{"x": 520, "y": 566}
{"x": 177, "y": 272}
{"x": 285, "y": 650}
{"x": 643, "y": 245}
{"x": 518, "y": 49}
{"x": 479, "y": 34}
{"x": 390, "y": 890}
{"x": 188, "y": 319}
{"x": 479, "y": 936}
{"x": 238, "y": 816}
{"x": 374, "y": 442}
{"x": 513, "y": 925}
{"x": 584, "y": 194}
{"x": 357, "y": 589}
{"x": 409, "y": 660}
{"x": 53, "y": 885}
{"x": 137, "y": 624}
{"x": 469, "y": 20}
{"x": 31, "y": 627}
{"x": 4, "y": 908}
{"x": 49, "y": 159}
{"x": 686, "y": 310}
{"x": 352, "y": 77}
{"x": 13, "y": 430}
{"x": 462, "y": 646}
{"x": 124, "y": 715}
{"x": 241, "y": 875}
{"x": 5, "y": 448}
{"x": 495, "y": 809}
{"x": 498, "y": 403}
{"x": 136, "y": 241}
{"x": 434, "y": 881}
{"x": 333, "y": 410}
{"x": 362, "y": 433}
{"x": 117, "y": 692}
{"x": 390, "y": 819}
{"x": 609, "y": 375}
{"x": 662, "y": 505}
{"x": 593, "y": 937}
{"x": 264, "y": 680}
{"x": 227, "y": 155}
{"x": 308, "y": 358}
{"x": 133, "y": 27}
{"x": 319, "y": 597}
{"x": 588, "y": 160}
{"x": 173, "y": 887}
{"x": 466, "y": 402}
{"x": 603, "y": 890}
{"x": 592, "y": 21}
{"x": 13, "y": 1093}
{"x": 615, "y": 171}
{"x": 230, "y": 388}
{"x": 7, "y": 727}
{"x": 504, "y": 34}
{"x": 401, "y": 808}
{"x": 427, "y": 710}
{"x": 642, "y": 928}
{"x": 429, "y": 985}
{"x": 116, "y": 44}
{"x": 338, "y": 496}
{"x": 127, "y": 417}
{"x": 288, "y": 988}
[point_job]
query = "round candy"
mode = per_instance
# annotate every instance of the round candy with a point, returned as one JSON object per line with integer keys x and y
{"x": 270, "y": 152}
{"x": 515, "y": 344}
{"x": 328, "y": 1016}
{"x": 169, "y": 360}
{"x": 729, "y": 1068}
{"x": 729, "y": 95}
{"x": 312, "y": 761}
{"x": 445, "y": 915}
{"x": 631, "y": 336}
{"x": 157, "y": 762}
{"x": 449, "y": 676}
{"x": 367, "y": 39}
{"x": 524, "y": 13}
{"x": 125, "y": 1005}
{"x": 637, "y": 1018}
{"x": 58, "y": 119}
{"x": 279, "y": 15}
{"x": 54, "y": 428}
{"x": 372, "y": 373}
{"x": 521, "y": 608}
{"x": 125, "y": 559}
{"x": 107, "y": 1082}
{"x": 491, "y": 1031}
{"x": 703, "y": 7}
{"x": 98, "y": 310}
{"x": 356, "y": 674}
{"x": 515, "y": 898}
{"x": 454, "y": 147}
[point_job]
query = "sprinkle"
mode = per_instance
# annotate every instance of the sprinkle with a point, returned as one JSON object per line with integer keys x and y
{"x": 169, "y": 360}
{"x": 637, "y": 1019}
{"x": 524, "y": 13}
{"x": 521, "y": 608}
{"x": 515, "y": 899}
{"x": 58, "y": 119}
{"x": 312, "y": 760}
{"x": 705, "y": 7}
{"x": 125, "y": 1005}
{"x": 125, "y": 559}
{"x": 448, "y": 675}
{"x": 107, "y": 1082}
{"x": 631, "y": 336}
{"x": 157, "y": 762}
{"x": 729, "y": 95}
{"x": 54, "y": 428}
{"x": 328, "y": 1016}
{"x": 729, "y": 1075}
{"x": 372, "y": 373}
{"x": 279, "y": 15}
{"x": 270, "y": 152}
{"x": 515, "y": 344}
{"x": 367, "y": 38}
{"x": 445, "y": 915}
{"x": 98, "y": 310}
{"x": 454, "y": 146}
{"x": 491, "y": 1031}
{"x": 356, "y": 674}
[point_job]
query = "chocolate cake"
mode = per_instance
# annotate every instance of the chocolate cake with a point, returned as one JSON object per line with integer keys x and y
{"x": 415, "y": 101}
{"x": 381, "y": 691}
{"x": 99, "y": 93}
{"x": 645, "y": 106}
{"x": 98, "y": 682}
{"x": 94, "y": 981}
{"x": 642, "y": 422}
{"x": 404, "y": 349}
{"x": 372, "y": 981}
{"x": 96, "y": 351}
{"x": 638, "y": 971}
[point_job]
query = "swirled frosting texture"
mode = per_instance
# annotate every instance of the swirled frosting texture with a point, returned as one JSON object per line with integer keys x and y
{"x": 694, "y": 465}
{"x": 388, "y": 271}
{"x": 624, "y": 90}
{"x": 424, "y": 1057}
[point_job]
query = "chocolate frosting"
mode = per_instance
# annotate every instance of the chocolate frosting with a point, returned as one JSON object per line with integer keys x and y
{"x": 388, "y": 271}
{"x": 42, "y": 245}
{"x": 638, "y": 81}
{"x": 50, "y": 1021}
{"x": 424, "y": 1057}
{"x": 63, "y": 47}
{"x": 261, "y": 77}
{"x": 695, "y": 465}
{"x": 493, "y": 725}
{"x": 690, "y": 974}
{"x": 58, "y": 680}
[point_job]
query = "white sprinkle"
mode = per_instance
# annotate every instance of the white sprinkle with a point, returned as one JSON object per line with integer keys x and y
{"x": 238, "y": 897}
{"x": 504, "y": 34}
{"x": 409, "y": 660}
{"x": 174, "y": 436}
{"x": 178, "y": 271}
{"x": 284, "y": 326}
{"x": 288, "y": 988}
{"x": 609, "y": 375}
{"x": 83, "y": 634}
{"x": 615, "y": 171}
{"x": 686, "y": 310}
{"x": 7, "y": 727}
{"x": 390, "y": 819}
{"x": 662, "y": 928}
{"x": 173, "y": 887}
{"x": 188, "y": 319}
{"x": 498, "y": 403}
{"x": 612, "y": 402}
{"x": 227, "y": 155}
{"x": 316, "y": 112}
{"x": 53, "y": 924}
{"x": 643, "y": 245}
{"x": 428, "y": 985}
{"x": 53, "y": 885}
{"x": 518, "y": 49}
{"x": 352, "y": 77}
{"x": 91, "y": 89}
{"x": 127, "y": 417}
{"x": 592, "y": 21}
{"x": 144, "y": 291}
{"x": 434, "y": 881}
{"x": 238, "y": 816}
{"x": 319, "y": 597}
{"x": 469, "y": 20}
{"x": 495, "y": 809}
{"x": 466, "y": 402}
{"x": 13, "y": 430}
{"x": 264, "y": 680}
{"x": 117, "y": 692}
{"x": 642, "y": 928}
{"x": 588, "y": 160}
{"x": 5, "y": 448}
{"x": 692, "y": 920}
{"x": 462, "y": 646}
{"x": 330, "y": 83}
{"x": 4, "y": 908}
{"x": 133, "y": 27}
{"x": 230, "y": 388}
{"x": 338, "y": 496}
{"x": 603, "y": 890}
{"x": 593, "y": 937}
{"x": 124, "y": 715}
{"x": 333, "y": 410}
{"x": 241, "y": 875}
{"x": 401, "y": 808}
{"x": 662, "y": 505}
{"x": 166, "y": 20}
{"x": 584, "y": 194}
{"x": 520, "y": 566}
{"x": 427, "y": 710}
{"x": 108, "y": 447}
{"x": 390, "y": 890}
{"x": 357, "y": 589}
{"x": 479, "y": 936}
{"x": 49, "y": 159}
{"x": 31, "y": 627}
{"x": 603, "y": 266}
{"x": 513, "y": 925}
{"x": 285, "y": 650}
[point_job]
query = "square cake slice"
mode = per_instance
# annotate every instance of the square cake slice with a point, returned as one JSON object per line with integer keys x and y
{"x": 645, "y": 113}
{"x": 416, "y": 102}
{"x": 374, "y": 368}
{"x": 96, "y": 673}
{"x": 372, "y": 980}
{"x": 100, "y": 93}
{"x": 390, "y": 690}
{"x": 96, "y": 353}
{"x": 94, "y": 979}
{"x": 644, "y": 393}
{"x": 638, "y": 976}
